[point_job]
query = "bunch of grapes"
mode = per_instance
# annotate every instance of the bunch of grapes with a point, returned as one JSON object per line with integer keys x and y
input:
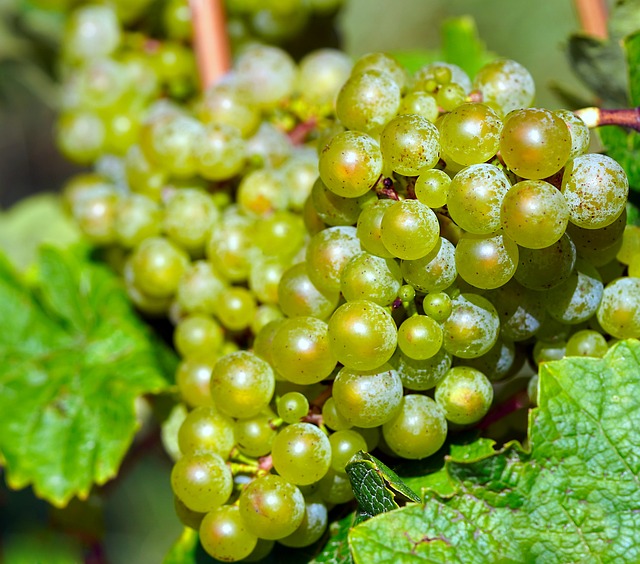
{"x": 453, "y": 232}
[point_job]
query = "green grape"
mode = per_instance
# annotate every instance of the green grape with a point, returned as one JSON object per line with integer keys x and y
{"x": 344, "y": 444}
{"x": 535, "y": 143}
{"x": 409, "y": 229}
{"x": 465, "y": 395}
{"x": 313, "y": 526}
{"x": 300, "y": 172}
{"x": 281, "y": 234}
{"x": 231, "y": 248}
{"x": 434, "y": 72}
{"x": 596, "y": 189}
{"x": 80, "y": 136}
{"x": 619, "y": 311}
{"x": 92, "y": 32}
{"x": 470, "y": 134}
{"x": 521, "y": 311}
{"x": 369, "y": 228}
{"x": 472, "y": 328}
{"x": 292, "y": 407}
{"x": 335, "y": 487}
{"x": 532, "y": 389}
{"x": 432, "y": 188}
{"x": 150, "y": 305}
{"x": 227, "y": 104}
{"x": 225, "y": 536}
{"x": 169, "y": 141}
{"x": 242, "y": 384}
{"x": 262, "y": 192}
{"x": 95, "y": 204}
{"x": 497, "y": 363}
{"x": 382, "y": 62}
{"x": 176, "y": 18}
{"x": 202, "y": 481}
{"x": 475, "y": 196}
{"x": 321, "y": 75}
{"x": 198, "y": 336}
{"x": 332, "y": 417}
{"x": 587, "y": 343}
{"x": 363, "y": 335}
{"x": 268, "y": 74}
{"x": 328, "y": 253}
{"x": 157, "y": 266}
{"x": 269, "y": 146}
{"x": 264, "y": 339}
{"x": 271, "y": 507}
{"x": 420, "y": 337}
{"x": 367, "y": 399}
{"x": 435, "y": 271}
{"x": 406, "y": 293}
{"x": 420, "y": 103}
{"x": 199, "y": 288}
{"x": 301, "y": 350}
{"x": 370, "y": 435}
{"x": 265, "y": 314}
{"x": 236, "y": 308}
{"x": 265, "y": 276}
{"x": 421, "y": 375}
{"x": 188, "y": 518}
{"x": 206, "y": 430}
{"x": 298, "y": 296}
{"x": 189, "y": 218}
{"x": 350, "y": 164}
{"x": 544, "y": 351}
{"x": 193, "y": 378}
{"x": 143, "y": 177}
{"x": 599, "y": 246}
{"x": 410, "y": 144}
{"x": 486, "y": 261}
{"x": 368, "y": 277}
{"x": 261, "y": 551}
{"x": 301, "y": 453}
{"x": 630, "y": 244}
{"x": 137, "y": 218}
{"x": 450, "y": 96}
{"x": 221, "y": 155}
{"x": 312, "y": 221}
{"x": 534, "y": 214}
{"x": 333, "y": 209}
{"x": 418, "y": 429}
{"x": 254, "y": 435}
{"x": 121, "y": 131}
{"x": 368, "y": 101}
{"x": 578, "y": 298}
{"x": 580, "y": 135}
{"x": 437, "y": 306}
{"x": 505, "y": 84}
{"x": 542, "y": 269}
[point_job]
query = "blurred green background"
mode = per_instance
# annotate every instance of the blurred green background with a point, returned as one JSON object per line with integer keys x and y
{"x": 138, "y": 516}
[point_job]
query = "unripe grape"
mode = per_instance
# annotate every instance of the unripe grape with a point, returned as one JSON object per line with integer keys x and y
{"x": 410, "y": 145}
{"x": 465, "y": 394}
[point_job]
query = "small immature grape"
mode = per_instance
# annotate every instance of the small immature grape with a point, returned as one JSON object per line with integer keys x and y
{"x": 535, "y": 143}
{"x": 437, "y": 306}
{"x": 344, "y": 444}
{"x": 362, "y": 334}
{"x": 292, "y": 407}
{"x": 350, "y": 164}
{"x": 465, "y": 394}
{"x": 418, "y": 429}
{"x": 420, "y": 337}
{"x": 202, "y": 481}
{"x": 409, "y": 229}
{"x": 225, "y": 536}
{"x": 534, "y": 214}
{"x": 432, "y": 188}
{"x": 301, "y": 453}
{"x": 619, "y": 311}
{"x": 587, "y": 343}
{"x": 410, "y": 145}
{"x": 470, "y": 134}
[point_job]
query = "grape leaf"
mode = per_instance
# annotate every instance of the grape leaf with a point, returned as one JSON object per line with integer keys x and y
{"x": 74, "y": 359}
{"x": 573, "y": 498}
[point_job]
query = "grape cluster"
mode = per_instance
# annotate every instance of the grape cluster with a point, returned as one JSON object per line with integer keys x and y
{"x": 453, "y": 231}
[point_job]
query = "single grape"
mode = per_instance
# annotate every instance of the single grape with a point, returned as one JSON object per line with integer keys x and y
{"x": 432, "y": 188}
{"x": 157, "y": 266}
{"x": 298, "y": 296}
{"x": 236, "y": 308}
{"x": 505, "y": 84}
{"x": 225, "y": 536}
{"x": 193, "y": 378}
{"x": 301, "y": 453}
{"x": 335, "y": 487}
{"x": 409, "y": 229}
{"x": 418, "y": 429}
{"x": 292, "y": 407}
{"x": 221, "y": 155}
{"x": 202, "y": 481}
{"x": 465, "y": 395}
{"x": 498, "y": 362}
{"x": 410, "y": 145}
{"x": 437, "y": 306}
{"x": 312, "y": 527}
{"x": 332, "y": 418}
{"x": 542, "y": 269}
{"x": 578, "y": 298}
{"x": 419, "y": 337}
{"x": 382, "y": 62}
{"x": 205, "y": 429}
{"x": 619, "y": 311}
{"x": 580, "y": 135}
{"x": 435, "y": 271}
{"x": 587, "y": 343}
{"x": 472, "y": 328}
{"x": 198, "y": 336}
{"x": 369, "y": 228}
{"x": 368, "y": 277}
{"x": 420, "y": 103}
{"x": 262, "y": 192}
{"x": 520, "y": 309}
{"x": 420, "y": 375}
{"x": 321, "y": 75}
{"x": 254, "y": 435}
{"x": 333, "y": 209}
{"x": 344, "y": 444}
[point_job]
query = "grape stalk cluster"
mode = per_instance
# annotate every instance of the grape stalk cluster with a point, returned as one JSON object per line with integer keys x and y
{"x": 351, "y": 256}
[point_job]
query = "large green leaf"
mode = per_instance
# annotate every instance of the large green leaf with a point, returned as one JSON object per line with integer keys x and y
{"x": 73, "y": 359}
{"x": 573, "y": 498}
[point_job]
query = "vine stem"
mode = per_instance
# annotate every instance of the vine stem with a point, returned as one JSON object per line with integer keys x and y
{"x": 210, "y": 40}
{"x": 625, "y": 117}
{"x": 593, "y": 17}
